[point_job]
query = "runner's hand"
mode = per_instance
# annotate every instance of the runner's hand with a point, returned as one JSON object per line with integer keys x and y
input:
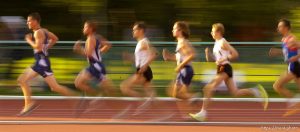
{"x": 165, "y": 54}
{"x": 142, "y": 69}
{"x": 293, "y": 59}
{"x": 178, "y": 68}
{"x": 29, "y": 37}
{"x": 77, "y": 45}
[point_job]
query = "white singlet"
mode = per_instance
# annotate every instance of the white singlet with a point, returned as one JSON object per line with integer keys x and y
{"x": 141, "y": 56}
{"x": 220, "y": 53}
{"x": 180, "y": 56}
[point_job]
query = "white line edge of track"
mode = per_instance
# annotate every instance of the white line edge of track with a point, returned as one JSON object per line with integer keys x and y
{"x": 42, "y": 122}
{"x": 4, "y": 97}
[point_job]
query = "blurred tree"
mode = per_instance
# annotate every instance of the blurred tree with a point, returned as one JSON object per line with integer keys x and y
{"x": 244, "y": 20}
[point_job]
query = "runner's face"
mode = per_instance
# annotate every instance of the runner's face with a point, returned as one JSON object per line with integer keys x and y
{"x": 214, "y": 33}
{"x": 281, "y": 28}
{"x": 176, "y": 30}
{"x": 136, "y": 32}
{"x": 31, "y": 23}
{"x": 86, "y": 29}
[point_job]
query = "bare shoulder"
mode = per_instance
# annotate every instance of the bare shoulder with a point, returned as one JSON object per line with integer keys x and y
{"x": 183, "y": 44}
{"x": 98, "y": 36}
{"x": 38, "y": 33}
{"x": 293, "y": 38}
{"x": 145, "y": 41}
{"x": 92, "y": 37}
{"x": 226, "y": 45}
{"x": 224, "y": 41}
{"x": 91, "y": 40}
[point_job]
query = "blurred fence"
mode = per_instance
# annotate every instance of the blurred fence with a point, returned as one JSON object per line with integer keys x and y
{"x": 253, "y": 65}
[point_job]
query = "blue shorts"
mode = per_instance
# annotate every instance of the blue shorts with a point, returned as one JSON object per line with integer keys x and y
{"x": 97, "y": 70}
{"x": 185, "y": 75}
{"x": 42, "y": 65}
{"x": 294, "y": 67}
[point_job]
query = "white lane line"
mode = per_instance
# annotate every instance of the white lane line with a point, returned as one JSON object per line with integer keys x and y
{"x": 4, "y": 97}
{"x": 145, "y": 123}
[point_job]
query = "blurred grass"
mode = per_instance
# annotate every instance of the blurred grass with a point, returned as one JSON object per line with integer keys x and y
{"x": 65, "y": 70}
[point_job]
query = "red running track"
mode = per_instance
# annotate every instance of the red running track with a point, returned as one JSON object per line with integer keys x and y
{"x": 153, "y": 111}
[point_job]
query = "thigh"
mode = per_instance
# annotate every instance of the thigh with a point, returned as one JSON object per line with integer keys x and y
{"x": 83, "y": 76}
{"x": 137, "y": 79}
{"x": 219, "y": 78}
{"x": 231, "y": 85}
{"x": 27, "y": 75}
{"x": 51, "y": 81}
{"x": 132, "y": 80}
{"x": 285, "y": 78}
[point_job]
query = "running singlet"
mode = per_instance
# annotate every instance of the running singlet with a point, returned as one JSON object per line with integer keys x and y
{"x": 141, "y": 56}
{"x": 179, "y": 56}
{"x": 293, "y": 67}
{"x": 220, "y": 53}
{"x": 42, "y": 63}
{"x": 96, "y": 68}
{"x": 288, "y": 52}
{"x": 186, "y": 74}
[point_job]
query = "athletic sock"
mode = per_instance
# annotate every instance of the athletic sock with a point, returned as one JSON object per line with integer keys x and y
{"x": 255, "y": 91}
{"x": 201, "y": 113}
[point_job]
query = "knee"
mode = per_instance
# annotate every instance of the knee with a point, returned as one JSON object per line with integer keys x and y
{"x": 21, "y": 80}
{"x": 276, "y": 87}
{"x": 209, "y": 87}
{"x": 77, "y": 84}
{"x": 123, "y": 88}
{"x": 54, "y": 87}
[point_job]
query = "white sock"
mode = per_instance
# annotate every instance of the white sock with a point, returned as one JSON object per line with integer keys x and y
{"x": 202, "y": 112}
{"x": 255, "y": 92}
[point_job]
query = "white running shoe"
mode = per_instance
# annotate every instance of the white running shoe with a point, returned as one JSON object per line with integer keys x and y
{"x": 260, "y": 92}
{"x": 201, "y": 116}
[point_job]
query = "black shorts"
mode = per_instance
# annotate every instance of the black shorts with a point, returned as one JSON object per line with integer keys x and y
{"x": 225, "y": 68}
{"x": 147, "y": 74}
{"x": 294, "y": 67}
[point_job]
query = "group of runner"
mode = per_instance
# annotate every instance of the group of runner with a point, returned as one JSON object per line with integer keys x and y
{"x": 95, "y": 45}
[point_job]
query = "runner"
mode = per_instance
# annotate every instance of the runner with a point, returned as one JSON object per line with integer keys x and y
{"x": 95, "y": 46}
{"x": 185, "y": 53}
{"x": 290, "y": 51}
{"x": 41, "y": 40}
{"x": 223, "y": 53}
{"x": 144, "y": 55}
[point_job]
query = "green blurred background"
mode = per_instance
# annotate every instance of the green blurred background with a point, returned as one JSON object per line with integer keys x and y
{"x": 252, "y": 21}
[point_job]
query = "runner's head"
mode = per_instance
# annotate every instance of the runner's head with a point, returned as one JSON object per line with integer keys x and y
{"x": 181, "y": 29}
{"x": 284, "y": 26}
{"x": 90, "y": 27}
{"x": 138, "y": 29}
{"x": 33, "y": 20}
{"x": 217, "y": 30}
